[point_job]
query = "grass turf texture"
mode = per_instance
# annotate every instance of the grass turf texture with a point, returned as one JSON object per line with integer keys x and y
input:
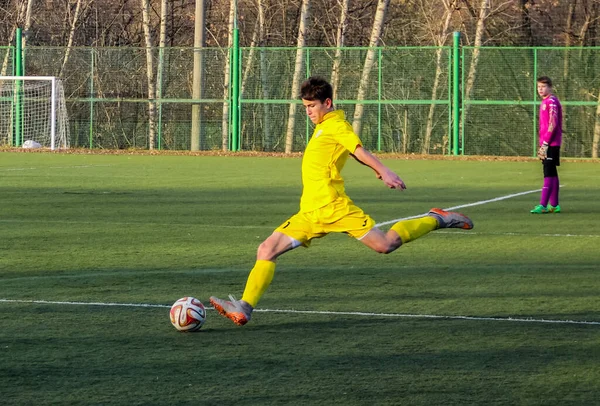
{"x": 150, "y": 229}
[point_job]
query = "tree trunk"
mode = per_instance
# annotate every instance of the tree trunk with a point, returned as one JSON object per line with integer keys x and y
{"x": 251, "y": 55}
{"x": 149, "y": 75}
{"x": 198, "y": 80}
{"x": 71, "y": 35}
{"x": 264, "y": 79}
{"x": 339, "y": 43}
{"x": 289, "y": 137}
{"x": 526, "y": 23}
{"x": 27, "y": 24}
{"x": 438, "y": 72}
{"x": 567, "y": 53}
{"x": 483, "y": 14}
{"x": 227, "y": 79}
{"x": 369, "y": 62}
{"x": 24, "y": 12}
{"x": 162, "y": 42}
{"x": 596, "y": 140}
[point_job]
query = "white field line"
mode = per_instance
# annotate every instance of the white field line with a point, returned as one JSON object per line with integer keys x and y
{"x": 362, "y": 314}
{"x": 322, "y": 312}
{"x": 496, "y": 199}
{"x": 456, "y": 232}
{"x": 33, "y": 168}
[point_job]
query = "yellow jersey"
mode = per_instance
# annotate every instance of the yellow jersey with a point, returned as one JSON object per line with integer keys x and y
{"x": 324, "y": 158}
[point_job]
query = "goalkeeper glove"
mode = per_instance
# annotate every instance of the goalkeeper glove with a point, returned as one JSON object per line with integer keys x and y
{"x": 543, "y": 151}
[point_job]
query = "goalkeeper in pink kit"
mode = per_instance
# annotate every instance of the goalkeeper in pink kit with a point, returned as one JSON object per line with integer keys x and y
{"x": 550, "y": 142}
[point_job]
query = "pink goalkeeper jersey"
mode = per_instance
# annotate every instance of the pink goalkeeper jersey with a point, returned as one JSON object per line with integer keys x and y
{"x": 551, "y": 121}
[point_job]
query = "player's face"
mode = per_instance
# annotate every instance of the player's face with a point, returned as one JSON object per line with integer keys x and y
{"x": 544, "y": 90}
{"x": 315, "y": 109}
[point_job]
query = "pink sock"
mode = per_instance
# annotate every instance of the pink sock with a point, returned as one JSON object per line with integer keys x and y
{"x": 554, "y": 191}
{"x": 546, "y": 191}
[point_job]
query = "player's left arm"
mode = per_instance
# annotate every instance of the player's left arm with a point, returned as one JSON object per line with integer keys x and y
{"x": 389, "y": 177}
{"x": 552, "y": 119}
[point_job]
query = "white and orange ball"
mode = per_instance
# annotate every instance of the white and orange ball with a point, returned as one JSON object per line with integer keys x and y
{"x": 188, "y": 314}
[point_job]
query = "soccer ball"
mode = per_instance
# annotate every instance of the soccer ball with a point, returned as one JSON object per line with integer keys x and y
{"x": 188, "y": 314}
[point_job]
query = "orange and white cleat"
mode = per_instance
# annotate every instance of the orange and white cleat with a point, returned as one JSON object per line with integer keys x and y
{"x": 451, "y": 219}
{"x": 237, "y": 311}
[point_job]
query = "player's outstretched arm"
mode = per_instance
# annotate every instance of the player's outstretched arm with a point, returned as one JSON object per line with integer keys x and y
{"x": 389, "y": 177}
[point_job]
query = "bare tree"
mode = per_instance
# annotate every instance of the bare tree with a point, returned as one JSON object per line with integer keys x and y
{"x": 526, "y": 22}
{"x": 484, "y": 10}
{"x": 378, "y": 23}
{"x": 23, "y": 17}
{"x": 71, "y": 35}
{"x": 339, "y": 43}
{"x": 149, "y": 75}
{"x": 227, "y": 79}
{"x": 267, "y": 140}
{"x": 197, "y": 80}
{"x": 440, "y": 40}
{"x": 295, "y": 91}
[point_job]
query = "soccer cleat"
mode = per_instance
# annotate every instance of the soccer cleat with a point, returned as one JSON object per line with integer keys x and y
{"x": 451, "y": 219}
{"x": 539, "y": 209}
{"x": 237, "y": 311}
{"x": 554, "y": 209}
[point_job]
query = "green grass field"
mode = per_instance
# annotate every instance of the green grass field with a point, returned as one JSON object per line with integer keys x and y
{"x": 95, "y": 248}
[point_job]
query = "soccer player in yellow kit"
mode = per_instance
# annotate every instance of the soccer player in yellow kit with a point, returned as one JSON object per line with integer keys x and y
{"x": 324, "y": 206}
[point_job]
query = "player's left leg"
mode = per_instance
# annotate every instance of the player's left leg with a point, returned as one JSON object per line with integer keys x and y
{"x": 406, "y": 231}
{"x": 362, "y": 227}
{"x": 554, "y": 156}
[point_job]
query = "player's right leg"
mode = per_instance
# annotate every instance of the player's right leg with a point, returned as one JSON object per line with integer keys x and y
{"x": 293, "y": 233}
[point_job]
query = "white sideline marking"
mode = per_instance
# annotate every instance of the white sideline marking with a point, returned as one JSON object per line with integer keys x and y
{"x": 33, "y": 168}
{"x": 496, "y": 199}
{"x": 324, "y": 312}
{"x": 458, "y": 232}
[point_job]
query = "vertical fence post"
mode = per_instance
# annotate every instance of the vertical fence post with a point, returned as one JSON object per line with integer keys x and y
{"x": 92, "y": 96}
{"x": 235, "y": 91}
{"x": 159, "y": 82}
{"x": 455, "y": 91}
{"x": 18, "y": 102}
{"x": 534, "y": 100}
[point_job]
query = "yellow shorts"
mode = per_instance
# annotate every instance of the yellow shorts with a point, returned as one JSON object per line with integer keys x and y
{"x": 339, "y": 216}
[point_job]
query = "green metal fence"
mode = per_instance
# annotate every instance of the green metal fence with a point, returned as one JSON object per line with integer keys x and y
{"x": 500, "y": 115}
{"x": 107, "y": 97}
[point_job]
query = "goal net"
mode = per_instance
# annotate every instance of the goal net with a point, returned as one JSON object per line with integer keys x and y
{"x": 33, "y": 112}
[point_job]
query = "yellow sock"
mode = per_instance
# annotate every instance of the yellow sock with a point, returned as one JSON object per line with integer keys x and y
{"x": 258, "y": 281}
{"x": 409, "y": 230}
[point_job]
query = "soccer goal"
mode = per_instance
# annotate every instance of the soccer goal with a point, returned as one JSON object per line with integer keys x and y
{"x": 33, "y": 112}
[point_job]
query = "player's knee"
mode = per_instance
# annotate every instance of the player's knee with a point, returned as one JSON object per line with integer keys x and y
{"x": 265, "y": 251}
{"x": 388, "y": 246}
{"x": 269, "y": 250}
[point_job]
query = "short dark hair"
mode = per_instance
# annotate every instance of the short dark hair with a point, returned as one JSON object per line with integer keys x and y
{"x": 316, "y": 88}
{"x": 545, "y": 80}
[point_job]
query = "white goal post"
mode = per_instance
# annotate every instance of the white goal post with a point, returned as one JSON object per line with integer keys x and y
{"x": 33, "y": 112}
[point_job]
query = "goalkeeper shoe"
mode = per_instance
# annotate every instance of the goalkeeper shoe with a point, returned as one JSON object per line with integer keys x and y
{"x": 539, "y": 209}
{"x": 450, "y": 219}
{"x": 237, "y": 311}
{"x": 554, "y": 209}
